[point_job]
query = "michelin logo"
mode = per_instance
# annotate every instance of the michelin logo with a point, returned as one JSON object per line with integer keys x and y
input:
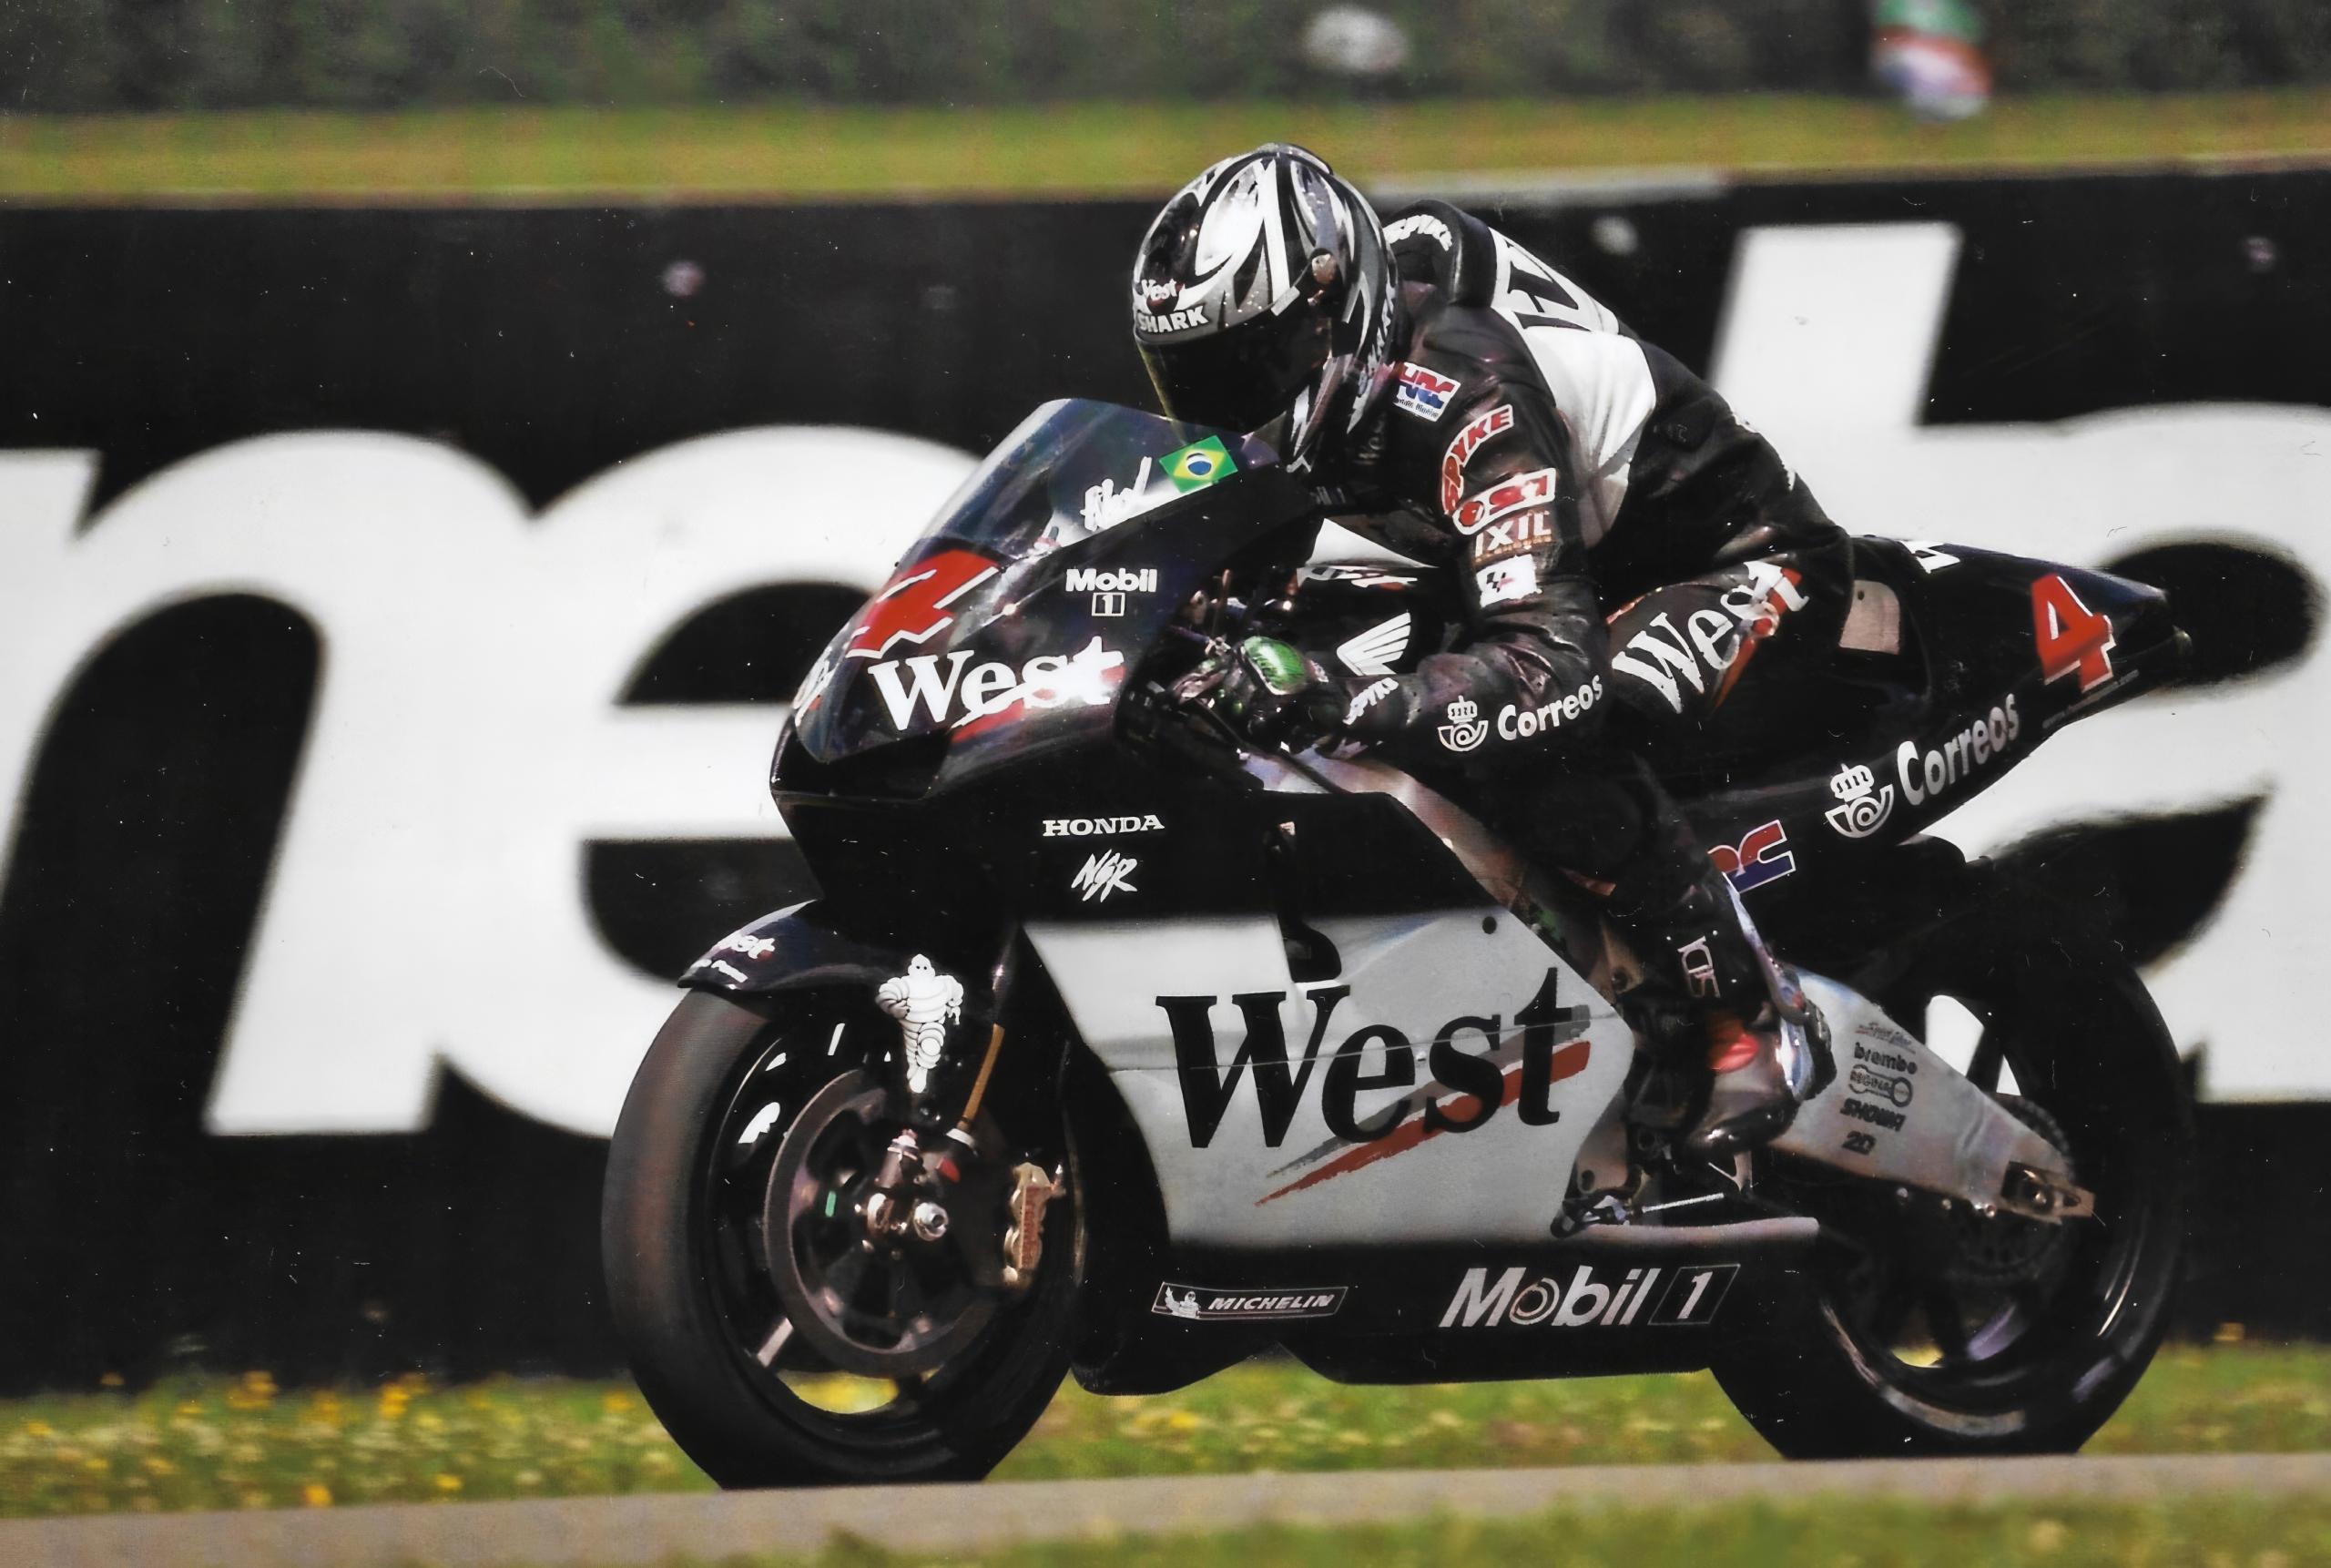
{"x": 1193, "y": 1305}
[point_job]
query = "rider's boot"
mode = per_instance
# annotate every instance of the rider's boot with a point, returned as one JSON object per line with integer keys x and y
{"x": 1758, "y": 1076}
{"x": 1750, "y": 1029}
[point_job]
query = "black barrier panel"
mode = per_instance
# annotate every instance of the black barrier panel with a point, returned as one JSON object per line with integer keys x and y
{"x": 553, "y": 343}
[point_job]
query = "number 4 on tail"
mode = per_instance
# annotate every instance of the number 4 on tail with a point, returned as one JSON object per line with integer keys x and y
{"x": 2070, "y": 635}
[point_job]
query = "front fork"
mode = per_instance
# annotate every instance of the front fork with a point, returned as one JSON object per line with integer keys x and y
{"x": 905, "y": 1198}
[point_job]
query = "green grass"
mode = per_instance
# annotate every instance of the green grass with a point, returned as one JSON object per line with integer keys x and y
{"x": 1090, "y": 149}
{"x": 2217, "y": 1533}
{"x": 243, "y": 1444}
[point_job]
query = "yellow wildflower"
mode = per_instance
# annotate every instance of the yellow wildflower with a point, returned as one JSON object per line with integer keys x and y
{"x": 316, "y": 1494}
{"x": 449, "y": 1484}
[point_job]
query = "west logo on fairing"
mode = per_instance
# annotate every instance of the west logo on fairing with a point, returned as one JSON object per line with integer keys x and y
{"x": 1711, "y": 642}
{"x": 934, "y": 689}
{"x": 1470, "y": 1087}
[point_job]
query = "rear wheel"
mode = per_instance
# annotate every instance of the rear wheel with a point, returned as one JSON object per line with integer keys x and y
{"x": 1935, "y": 1330}
{"x": 780, "y": 1338}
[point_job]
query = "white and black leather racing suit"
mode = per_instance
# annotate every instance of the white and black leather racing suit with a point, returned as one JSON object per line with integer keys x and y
{"x": 1628, "y": 552}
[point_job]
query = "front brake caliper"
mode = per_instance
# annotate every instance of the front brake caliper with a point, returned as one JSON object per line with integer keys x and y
{"x": 1024, "y": 1240}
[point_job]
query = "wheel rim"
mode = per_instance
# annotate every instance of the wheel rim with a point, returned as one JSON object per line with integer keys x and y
{"x": 881, "y": 1306}
{"x": 787, "y": 1069}
{"x": 1964, "y": 1322}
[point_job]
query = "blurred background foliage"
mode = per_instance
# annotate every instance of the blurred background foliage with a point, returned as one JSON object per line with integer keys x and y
{"x": 102, "y": 55}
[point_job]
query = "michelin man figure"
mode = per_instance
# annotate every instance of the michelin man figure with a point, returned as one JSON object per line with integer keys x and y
{"x": 924, "y": 1002}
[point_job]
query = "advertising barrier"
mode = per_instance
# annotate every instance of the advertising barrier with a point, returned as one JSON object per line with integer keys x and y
{"x": 397, "y": 608}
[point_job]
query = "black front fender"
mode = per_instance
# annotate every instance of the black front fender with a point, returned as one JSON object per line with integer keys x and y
{"x": 795, "y": 949}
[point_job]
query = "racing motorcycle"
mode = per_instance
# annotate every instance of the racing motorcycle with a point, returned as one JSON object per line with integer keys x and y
{"x": 1118, "y": 1046}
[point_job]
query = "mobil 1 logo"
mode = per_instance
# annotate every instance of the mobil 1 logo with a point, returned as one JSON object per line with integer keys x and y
{"x": 1517, "y": 1299}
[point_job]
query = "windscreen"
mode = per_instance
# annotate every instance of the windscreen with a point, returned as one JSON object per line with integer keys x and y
{"x": 1074, "y": 469}
{"x": 1012, "y": 605}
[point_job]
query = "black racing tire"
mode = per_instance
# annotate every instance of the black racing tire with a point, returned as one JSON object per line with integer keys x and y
{"x": 1853, "y": 1353}
{"x": 694, "y": 1303}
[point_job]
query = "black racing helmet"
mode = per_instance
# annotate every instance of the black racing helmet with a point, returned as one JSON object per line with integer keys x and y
{"x": 1264, "y": 293}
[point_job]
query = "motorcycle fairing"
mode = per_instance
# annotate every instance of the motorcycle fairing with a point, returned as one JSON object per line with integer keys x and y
{"x": 1014, "y": 623}
{"x": 1972, "y": 657}
{"x": 1436, "y": 1088}
{"x": 793, "y": 948}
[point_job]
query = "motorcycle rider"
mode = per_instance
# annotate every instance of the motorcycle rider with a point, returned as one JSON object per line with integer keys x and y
{"x": 1624, "y": 545}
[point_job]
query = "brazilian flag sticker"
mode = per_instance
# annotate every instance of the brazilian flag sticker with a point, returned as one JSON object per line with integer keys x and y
{"x": 1195, "y": 467}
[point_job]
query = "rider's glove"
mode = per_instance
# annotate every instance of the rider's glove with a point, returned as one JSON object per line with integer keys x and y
{"x": 1275, "y": 695}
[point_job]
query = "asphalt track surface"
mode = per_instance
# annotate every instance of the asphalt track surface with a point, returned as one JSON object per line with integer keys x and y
{"x": 650, "y": 1529}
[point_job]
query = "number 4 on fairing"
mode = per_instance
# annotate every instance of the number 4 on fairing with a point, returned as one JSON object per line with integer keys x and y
{"x": 2070, "y": 637}
{"x": 1322, "y": 1063}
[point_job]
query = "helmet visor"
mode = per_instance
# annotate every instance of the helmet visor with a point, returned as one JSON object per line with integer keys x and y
{"x": 1241, "y": 378}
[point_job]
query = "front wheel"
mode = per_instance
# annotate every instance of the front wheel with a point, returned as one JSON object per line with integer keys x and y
{"x": 1924, "y": 1328}
{"x": 779, "y": 1343}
